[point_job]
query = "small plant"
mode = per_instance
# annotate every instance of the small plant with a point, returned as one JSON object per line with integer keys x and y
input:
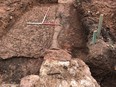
{"x": 94, "y": 37}
{"x": 100, "y": 25}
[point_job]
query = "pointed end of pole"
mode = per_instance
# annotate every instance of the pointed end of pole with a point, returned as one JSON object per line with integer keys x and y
{"x": 95, "y": 31}
{"x": 102, "y": 15}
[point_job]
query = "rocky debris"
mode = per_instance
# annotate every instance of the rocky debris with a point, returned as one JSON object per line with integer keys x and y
{"x": 57, "y": 73}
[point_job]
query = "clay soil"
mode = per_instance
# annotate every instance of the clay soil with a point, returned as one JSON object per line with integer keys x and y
{"x": 27, "y": 44}
{"x": 22, "y": 46}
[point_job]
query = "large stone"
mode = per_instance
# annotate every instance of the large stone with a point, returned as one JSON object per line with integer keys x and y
{"x": 74, "y": 73}
{"x": 58, "y": 73}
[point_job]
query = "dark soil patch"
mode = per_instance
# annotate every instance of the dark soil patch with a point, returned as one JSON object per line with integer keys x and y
{"x": 109, "y": 80}
{"x": 13, "y": 69}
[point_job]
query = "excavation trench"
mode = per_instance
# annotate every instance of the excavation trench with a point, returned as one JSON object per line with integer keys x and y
{"x": 24, "y": 45}
{"x": 101, "y": 57}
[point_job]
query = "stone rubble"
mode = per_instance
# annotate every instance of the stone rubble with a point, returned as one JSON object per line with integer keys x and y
{"x": 58, "y": 73}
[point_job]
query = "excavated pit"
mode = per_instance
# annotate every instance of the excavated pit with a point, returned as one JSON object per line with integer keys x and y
{"x": 23, "y": 46}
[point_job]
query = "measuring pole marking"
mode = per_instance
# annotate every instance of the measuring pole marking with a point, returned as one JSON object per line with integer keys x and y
{"x": 45, "y": 15}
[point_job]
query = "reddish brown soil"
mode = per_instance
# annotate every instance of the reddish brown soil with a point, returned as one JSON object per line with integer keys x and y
{"x": 22, "y": 45}
{"x": 11, "y": 11}
{"x": 108, "y": 8}
{"x": 31, "y": 41}
{"x": 94, "y": 8}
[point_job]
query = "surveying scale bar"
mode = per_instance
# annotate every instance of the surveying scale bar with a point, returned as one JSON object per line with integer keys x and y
{"x": 34, "y": 23}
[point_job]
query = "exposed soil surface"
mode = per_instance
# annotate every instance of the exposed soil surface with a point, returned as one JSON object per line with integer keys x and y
{"x": 10, "y": 11}
{"x": 22, "y": 46}
{"x": 31, "y": 41}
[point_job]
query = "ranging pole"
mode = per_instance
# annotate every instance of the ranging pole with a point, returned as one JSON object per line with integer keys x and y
{"x": 100, "y": 25}
{"x": 45, "y": 15}
{"x": 94, "y": 37}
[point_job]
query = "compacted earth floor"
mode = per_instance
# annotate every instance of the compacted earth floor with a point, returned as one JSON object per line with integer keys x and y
{"x": 23, "y": 45}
